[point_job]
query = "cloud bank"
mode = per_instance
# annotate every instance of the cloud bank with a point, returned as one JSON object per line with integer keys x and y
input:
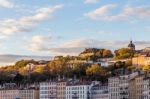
{"x": 74, "y": 47}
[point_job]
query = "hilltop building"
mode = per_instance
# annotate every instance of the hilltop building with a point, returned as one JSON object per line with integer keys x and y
{"x": 131, "y": 45}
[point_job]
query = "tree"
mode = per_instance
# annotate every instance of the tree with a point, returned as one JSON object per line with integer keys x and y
{"x": 18, "y": 78}
{"x": 39, "y": 69}
{"x": 23, "y": 63}
{"x": 107, "y": 53}
{"x": 100, "y": 53}
{"x": 147, "y": 67}
{"x": 124, "y": 53}
{"x": 95, "y": 70}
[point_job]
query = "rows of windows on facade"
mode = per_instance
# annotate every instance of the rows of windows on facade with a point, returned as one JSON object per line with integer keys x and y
{"x": 132, "y": 86}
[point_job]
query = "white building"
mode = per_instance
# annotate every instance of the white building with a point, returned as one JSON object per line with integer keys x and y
{"x": 146, "y": 88}
{"x": 78, "y": 91}
{"x": 113, "y": 88}
{"x": 124, "y": 87}
{"x": 99, "y": 91}
{"x": 48, "y": 90}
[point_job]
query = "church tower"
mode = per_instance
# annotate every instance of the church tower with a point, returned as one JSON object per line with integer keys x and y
{"x": 131, "y": 45}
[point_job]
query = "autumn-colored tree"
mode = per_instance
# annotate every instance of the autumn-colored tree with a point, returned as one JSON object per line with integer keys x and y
{"x": 107, "y": 53}
{"x": 124, "y": 53}
{"x": 23, "y": 71}
{"x": 147, "y": 68}
{"x": 95, "y": 70}
{"x": 39, "y": 69}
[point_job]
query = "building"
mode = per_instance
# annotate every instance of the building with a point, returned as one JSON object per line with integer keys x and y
{"x": 124, "y": 87}
{"x": 99, "y": 91}
{"x": 139, "y": 84}
{"x": 146, "y": 92}
{"x": 61, "y": 89}
{"x": 9, "y": 94}
{"x": 132, "y": 89}
{"x": 141, "y": 60}
{"x": 48, "y": 90}
{"x": 78, "y": 91}
{"x": 30, "y": 93}
{"x": 132, "y": 85}
{"x": 131, "y": 46}
{"x": 113, "y": 87}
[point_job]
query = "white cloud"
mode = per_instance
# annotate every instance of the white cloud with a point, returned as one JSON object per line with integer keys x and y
{"x": 6, "y": 4}
{"x": 40, "y": 39}
{"x": 100, "y": 12}
{"x": 90, "y": 1}
{"x": 39, "y": 42}
{"x": 106, "y": 12}
{"x": 26, "y": 23}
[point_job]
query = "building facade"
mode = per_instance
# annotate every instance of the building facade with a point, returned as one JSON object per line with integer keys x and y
{"x": 141, "y": 60}
{"x": 48, "y": 90}
{"x": 113, "y": 88}
{"x": 61, "y": 90}
{"x": 9, "y": 94}
{"x": 81, "y": 91}
{"x": 99, "y": 92}
{"x": 29, "y": 94}
{"x": 124, "y": 87}
{"x": 146, "y": 92}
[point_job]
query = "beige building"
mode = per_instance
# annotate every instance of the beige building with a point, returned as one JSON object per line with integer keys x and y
{"x": 132, "y": 89}
{"x": 141, "y": 60}
{"x": 9, "y": 94}
{"x": 61, "y": 88}
{"x": 29, "y": 94}
{"x": 136, "y": 87}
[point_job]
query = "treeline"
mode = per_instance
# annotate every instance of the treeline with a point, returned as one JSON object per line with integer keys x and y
{"x": 63, "y": 67}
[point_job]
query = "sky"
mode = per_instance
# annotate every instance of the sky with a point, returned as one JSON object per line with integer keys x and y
{"x": 66, "y": 27}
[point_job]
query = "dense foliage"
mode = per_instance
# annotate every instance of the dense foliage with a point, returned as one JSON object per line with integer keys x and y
{"x": 66, "y": 67}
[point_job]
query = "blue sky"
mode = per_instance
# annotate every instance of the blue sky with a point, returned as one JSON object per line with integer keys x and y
{"x": 61, "y": 27}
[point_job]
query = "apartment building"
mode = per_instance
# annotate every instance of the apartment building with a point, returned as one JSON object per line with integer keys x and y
{"x": 61, "y": 89}
{"x": 48, "y": 90}
{"x": 146, "y": 92}
{"x": 139, "y": 84}
{"x": 113, "y": 88}
{"x": 124, "y": 87}
{"x": 9, "y": 94}
{"x": 78, "y": 91}
{"x": 99, "y": 91}
{"x": 30, "y": 93}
